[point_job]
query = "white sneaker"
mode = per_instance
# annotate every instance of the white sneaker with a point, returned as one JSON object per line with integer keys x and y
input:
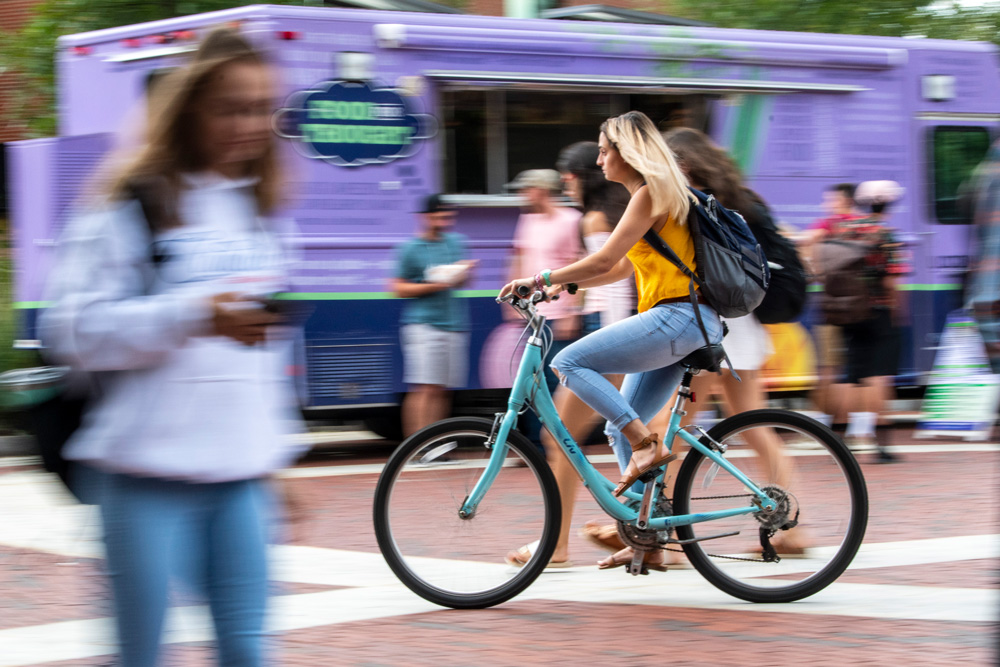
{"x": 860, "y": 443}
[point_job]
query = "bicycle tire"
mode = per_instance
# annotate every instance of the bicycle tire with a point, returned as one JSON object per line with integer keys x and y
{"x": 406, "y": 567}
{"x": 764, "y": 587}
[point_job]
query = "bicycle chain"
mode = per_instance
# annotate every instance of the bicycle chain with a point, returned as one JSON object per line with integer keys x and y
{"x": 748, "y": 560}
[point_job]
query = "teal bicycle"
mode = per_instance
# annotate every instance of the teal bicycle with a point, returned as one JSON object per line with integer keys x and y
{"x": 457, "y": 495}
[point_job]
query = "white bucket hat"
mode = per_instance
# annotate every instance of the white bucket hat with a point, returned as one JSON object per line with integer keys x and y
{"x": 878, "y": 192}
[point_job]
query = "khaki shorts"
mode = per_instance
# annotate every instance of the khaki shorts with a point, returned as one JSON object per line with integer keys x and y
{"x": 435, "y": 356}
{"x": 829, "y": 346}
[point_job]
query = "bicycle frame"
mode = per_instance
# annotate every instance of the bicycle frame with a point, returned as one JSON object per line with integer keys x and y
{"x": 529, "y": 387}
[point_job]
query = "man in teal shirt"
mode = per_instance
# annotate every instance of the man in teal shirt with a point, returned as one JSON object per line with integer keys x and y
{"x": 434, "y": 325}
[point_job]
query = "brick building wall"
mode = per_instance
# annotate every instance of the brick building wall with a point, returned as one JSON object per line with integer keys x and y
{"x": 13, "y": 14}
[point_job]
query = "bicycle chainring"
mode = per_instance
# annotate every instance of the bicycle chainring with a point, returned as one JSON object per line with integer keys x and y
{"x": 646, "y": 539}
{"x": 785, "y": 516}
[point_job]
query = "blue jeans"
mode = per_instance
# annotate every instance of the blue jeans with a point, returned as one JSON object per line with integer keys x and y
{"x": 647, "y": 348}
{"x": 216, "y": 535}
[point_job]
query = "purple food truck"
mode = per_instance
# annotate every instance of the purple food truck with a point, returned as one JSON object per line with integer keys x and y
{"x": 382, "y": 108}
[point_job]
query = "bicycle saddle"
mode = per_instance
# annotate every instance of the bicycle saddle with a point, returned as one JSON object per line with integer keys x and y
{"x": 708, "y": 358}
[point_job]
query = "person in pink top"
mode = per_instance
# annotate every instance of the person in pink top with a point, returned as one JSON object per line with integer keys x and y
{"x": 547, "y": 234}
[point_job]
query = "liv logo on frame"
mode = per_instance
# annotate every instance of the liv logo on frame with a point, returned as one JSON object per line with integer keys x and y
{"x": 350, "y": 123}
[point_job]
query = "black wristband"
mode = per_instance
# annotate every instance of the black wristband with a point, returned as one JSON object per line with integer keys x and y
{"x": 572, "y": 288}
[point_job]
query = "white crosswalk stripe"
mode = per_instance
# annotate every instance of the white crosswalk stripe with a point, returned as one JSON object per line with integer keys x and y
{"x": 43, "y": 519}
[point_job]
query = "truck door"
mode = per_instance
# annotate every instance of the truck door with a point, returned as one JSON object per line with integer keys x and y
{"x": 952, "y": 147}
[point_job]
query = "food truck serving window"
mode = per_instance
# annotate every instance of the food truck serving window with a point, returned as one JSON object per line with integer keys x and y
{"x": 955, "y": 152}
{"x": 491, "y": 135}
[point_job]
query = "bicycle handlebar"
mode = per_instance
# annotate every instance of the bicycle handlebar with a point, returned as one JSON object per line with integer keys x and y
{"x": 524, "y": 299}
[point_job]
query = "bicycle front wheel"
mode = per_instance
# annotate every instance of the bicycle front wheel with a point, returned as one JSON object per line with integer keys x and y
{"x": 822, "y": 515}
{"x": 458, "y": 561}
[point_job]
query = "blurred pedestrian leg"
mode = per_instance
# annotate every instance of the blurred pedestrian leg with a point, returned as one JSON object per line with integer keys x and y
{"x": 163, "y": 297}
{"x": 219, "y": 530}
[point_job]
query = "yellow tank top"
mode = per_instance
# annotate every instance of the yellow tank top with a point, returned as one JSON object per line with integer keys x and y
{"x": 656, "y": 278}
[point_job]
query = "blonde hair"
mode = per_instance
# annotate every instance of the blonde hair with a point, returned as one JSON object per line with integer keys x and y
{"x": 642, "y": 147}
{"x": 171, "y": 146}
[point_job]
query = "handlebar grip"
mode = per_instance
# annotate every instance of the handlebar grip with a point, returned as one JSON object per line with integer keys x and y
{"x": 523, "y": 291}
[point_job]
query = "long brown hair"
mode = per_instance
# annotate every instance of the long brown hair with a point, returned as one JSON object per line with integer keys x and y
{"x": 710, "y": 167}
{"x": 642, "y": 148}
{"x": 171, "y": 148}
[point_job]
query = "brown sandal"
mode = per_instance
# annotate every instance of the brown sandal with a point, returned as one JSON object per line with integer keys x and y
{"x": 627, "y": 480}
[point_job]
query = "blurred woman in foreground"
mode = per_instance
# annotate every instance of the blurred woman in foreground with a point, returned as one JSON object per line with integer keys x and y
{"x": 158, "y": 298}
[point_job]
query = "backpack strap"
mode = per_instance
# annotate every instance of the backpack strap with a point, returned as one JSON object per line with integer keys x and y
{"x": 659, "y": 245}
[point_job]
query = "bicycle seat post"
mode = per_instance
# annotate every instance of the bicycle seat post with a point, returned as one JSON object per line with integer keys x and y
{"x": 683, "y": 394}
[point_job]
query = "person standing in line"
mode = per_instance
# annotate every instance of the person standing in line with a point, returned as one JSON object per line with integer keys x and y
{"x": 434, "y": 324}
{"x": 872, "y": 346}
{"x": 159, "y": 298}
{"x": 647, "y": 347}
{"x": 547, "y": 234}
{"x": 839, "y": 204}
{"x": 830, "y": 395}
{"x": 603, "y": 203}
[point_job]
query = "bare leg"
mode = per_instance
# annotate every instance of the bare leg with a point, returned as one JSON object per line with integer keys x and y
{"x": 425, "y": 404}
{"x": 441, "y": 405}
{"x": 875, "y": 395}
{"x": 830, "y": 397}
{"x": 749, "y": 395}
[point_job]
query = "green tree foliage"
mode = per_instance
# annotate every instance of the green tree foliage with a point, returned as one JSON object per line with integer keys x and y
{"x": 957, "y": 22}
{"x": 898, "y": 18}
{"x": 31, "y": 51}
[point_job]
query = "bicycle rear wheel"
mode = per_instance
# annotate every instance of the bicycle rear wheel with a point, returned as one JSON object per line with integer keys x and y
{"x": 817, "y": 482}
{"x": 454, "y": 561}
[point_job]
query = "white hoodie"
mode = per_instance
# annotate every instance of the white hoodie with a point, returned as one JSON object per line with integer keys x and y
{"x": 179, "y": 403}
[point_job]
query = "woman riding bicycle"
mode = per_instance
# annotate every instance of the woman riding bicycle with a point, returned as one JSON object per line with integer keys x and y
{"x": 646, "y": 347}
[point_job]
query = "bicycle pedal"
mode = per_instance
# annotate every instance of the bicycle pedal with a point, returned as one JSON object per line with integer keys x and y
{"x": 642, "y": 570}
{"x": 650, "y": 475}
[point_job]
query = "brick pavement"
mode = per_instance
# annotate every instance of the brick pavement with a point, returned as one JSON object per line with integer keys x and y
{"x": 955, "y": 495}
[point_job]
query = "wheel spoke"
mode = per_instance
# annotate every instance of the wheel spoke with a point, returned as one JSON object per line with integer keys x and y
{"x": 822, "y": 486}
{"x": 458, "y": 561}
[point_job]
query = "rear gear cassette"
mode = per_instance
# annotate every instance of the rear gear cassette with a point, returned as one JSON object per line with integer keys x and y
{"x": 785, "y": 516}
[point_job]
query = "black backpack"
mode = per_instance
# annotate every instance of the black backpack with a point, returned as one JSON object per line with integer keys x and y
{"x": 786, "y": 293}
{"x": 55, "y": 418}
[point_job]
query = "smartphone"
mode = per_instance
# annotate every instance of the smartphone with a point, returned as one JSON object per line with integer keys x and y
{"x": 290, "y": 310}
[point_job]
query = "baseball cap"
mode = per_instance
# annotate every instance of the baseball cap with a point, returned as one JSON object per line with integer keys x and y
{"x": 434, "y": 204}
{"x": 537, "y": 178}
